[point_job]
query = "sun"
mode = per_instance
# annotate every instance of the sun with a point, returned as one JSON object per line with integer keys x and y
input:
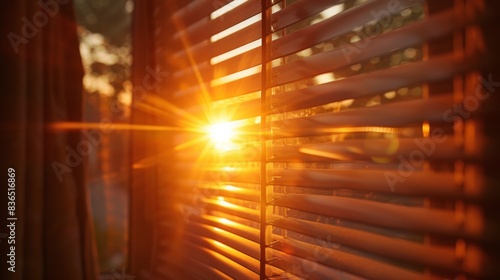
{"x": 222, "y": 135}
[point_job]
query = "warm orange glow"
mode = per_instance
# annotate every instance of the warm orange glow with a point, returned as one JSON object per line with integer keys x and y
{"x": 108, "y": 126}
{"x": 236, "y": 76}
{"x": 222, "y": 135}
{"x": 228, "y": 168}
{"x": 378, "y": 129}
{"x": 235, "y": 28}
{"x": 321, "y": 153}
{"x": 225, "y": 204}
{"x": 230, "y": 188}
{"x": 226, "y": 8}
{"x": 426, "y": 129}
{"x": 225, "y": 221}
{"x": 217, "y": 243}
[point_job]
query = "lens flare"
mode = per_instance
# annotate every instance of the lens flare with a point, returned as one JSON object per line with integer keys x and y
{"x": 222, "y": 135}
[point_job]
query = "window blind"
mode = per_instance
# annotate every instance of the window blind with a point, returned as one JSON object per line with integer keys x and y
{"x": 324, "y": 140}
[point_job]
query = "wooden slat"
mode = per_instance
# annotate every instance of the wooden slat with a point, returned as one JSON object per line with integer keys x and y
{"x": 382, "y": 214}
{"x": 206, "y": 27}
{"x": 309, "y": 269}
{"x": 224, "y": 264}
{"x": 390, "y": 115}
{"x": 412, "y": 35}
{"x": 365, "y": 267}
{"x": 332, "y": 27}
{"x": 299, "y": 11}
{"x": 435, "y": 256}
{"x": 383, "y": 150}
{"x": 376, "y": 82}
{"x": 405, "y": 181}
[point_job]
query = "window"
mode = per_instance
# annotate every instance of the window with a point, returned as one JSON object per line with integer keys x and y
{"x": 105, "y": 50}
{"x": 315, "y": 140}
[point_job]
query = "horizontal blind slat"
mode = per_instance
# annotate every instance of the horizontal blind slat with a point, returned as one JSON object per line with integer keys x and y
{"x": 206, "y": 27}
{"x": 205, "y": 71}
{"x": 388, "y": 150}
{"x": 300, "y": 10}
{"x": 232, "y": 209}
{"x": 348, "y": 262}
{"x": 376, "y": 82}
{"x": 195, "y": 11}
{"x": 420, "y": 183}
{"x": 234, "y": 192}
{"x": 188, "y": 267}
{"x": 238, "y": 243}
{"x": 237, "y": 63}
{"x": 408, "y": 36}
{"x": 227, "y": 251}
{"x": 203, "y": 270}
{"x": 381, "y": 214}
{"x": 224, "y": 264}
{"x": 206, "y": 50}
{"x": 390, "y": 115}
{"x": 421, "y": 253}
{"x": 244, "y": 231}
{"x": 297, "y": 266}
{"x": 332, "y": 27}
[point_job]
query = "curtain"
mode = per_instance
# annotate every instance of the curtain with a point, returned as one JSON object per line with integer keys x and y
{"x": 141, "y": 218}
{"x": 41, "y": 86}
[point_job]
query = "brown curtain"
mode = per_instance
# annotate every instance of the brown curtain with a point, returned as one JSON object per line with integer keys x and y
{"x": 41, "y": 85}
{"x": 142, "y": 145}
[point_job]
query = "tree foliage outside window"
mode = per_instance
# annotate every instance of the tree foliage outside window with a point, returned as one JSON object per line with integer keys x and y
{"x": 104, "y": 30}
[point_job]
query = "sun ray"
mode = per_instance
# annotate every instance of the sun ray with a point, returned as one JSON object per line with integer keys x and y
{"x": 190, "y": 143}
{"x": 169, "y": 107}
{"x": 109, "y": 126}
{"x": 205, "y": 94}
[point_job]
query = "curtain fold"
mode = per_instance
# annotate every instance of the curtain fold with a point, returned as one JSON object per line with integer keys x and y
{"x": 142, "y": 144}
{"x": 41, "y": 85}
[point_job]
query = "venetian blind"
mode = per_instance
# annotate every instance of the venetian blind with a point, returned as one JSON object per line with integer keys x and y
{"x": 326, "y": 139}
